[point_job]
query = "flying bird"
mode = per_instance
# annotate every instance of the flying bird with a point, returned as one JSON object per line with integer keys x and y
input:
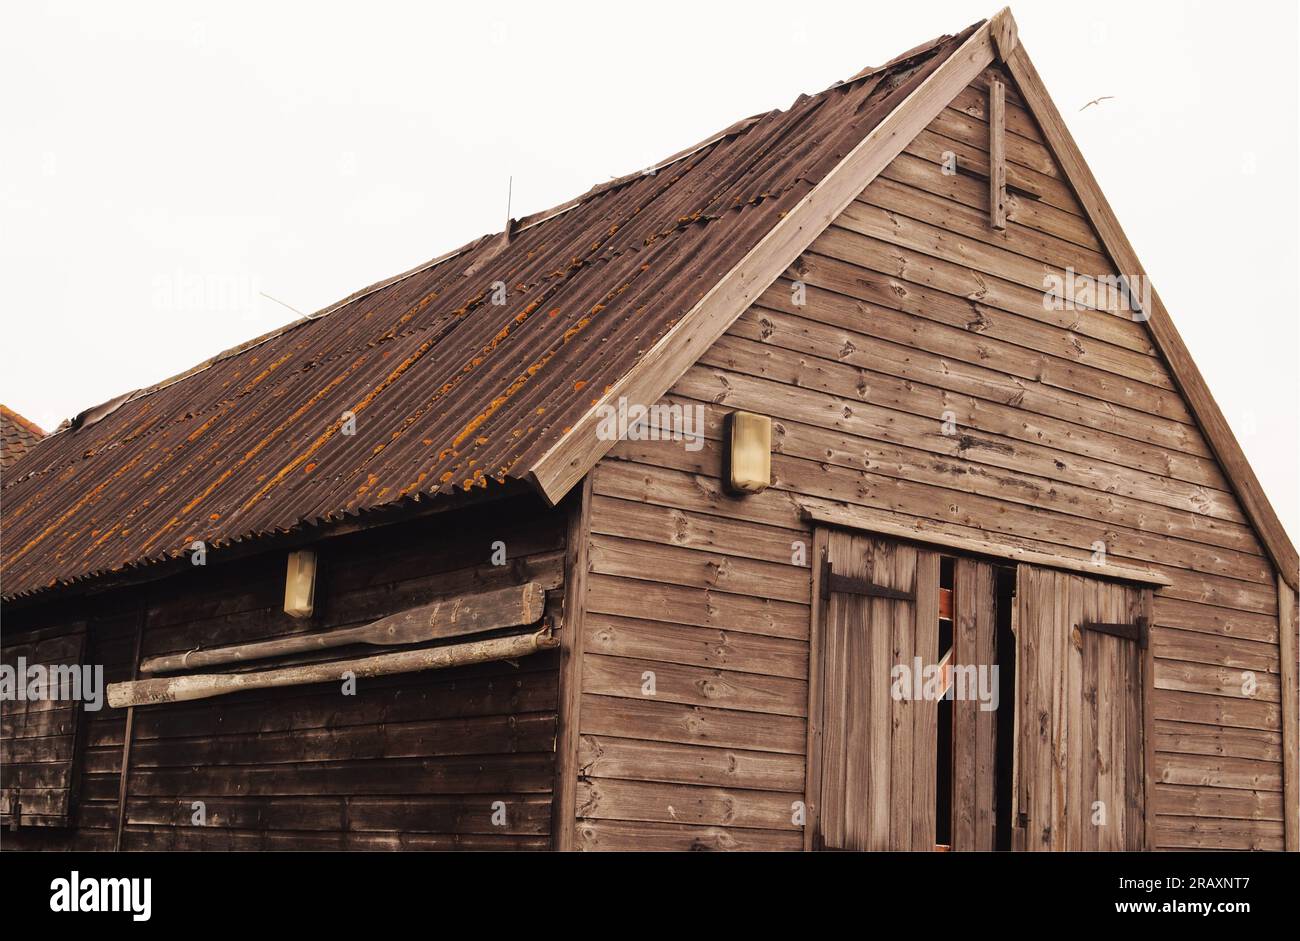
{"x": 1096, "y": 101}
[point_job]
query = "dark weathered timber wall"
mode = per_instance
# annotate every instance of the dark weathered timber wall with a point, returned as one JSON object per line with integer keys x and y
{"x": 412, "y": 761}
{"x": 1071, "y": 430}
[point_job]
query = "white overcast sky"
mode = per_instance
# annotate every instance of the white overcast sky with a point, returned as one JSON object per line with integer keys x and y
{"x": 163, "y": 164}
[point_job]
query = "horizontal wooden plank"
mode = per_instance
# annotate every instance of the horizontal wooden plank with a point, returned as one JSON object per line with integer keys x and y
{"x": 497, "y": 690}
{"x": 675, "y": 683}
{"x": 972, "y": 101}
{"x": 610, "y": 799}
{"x": 865, "y": 521}
{"x": 515, "y": 814}
{"x": 671, "y": 526}
{"x": 177, "y": 839}
{"x": 1190, "y": 738}
{"x": 35, "y": 801}
{"x": 1210, "y": 619}
{"x": 932, "y": 147}
{"x": 666, "y": 487}
{"x": 1225, "y": 711}
{"x": 476, "y": 774}
{"x": 40, "y": 776}
{"x": 972, "y": 191}
{"x": 34, "y": 750}
{"x": 624, "y": 836}
{"x": 47, "y": 722}
{"x": 695, "y": 646}
{"x": 697, "y": 606}
{"x": 632, "y": 559}
{"x": 737, "y": 368}
{"x": 1197, "y": 647}
{"x": 484, "y": 735}
{"x": 1217, "y": 680}
{"x": 967, "y": 366}
{"x": 957, "y": 125}
{"x": 652, "y": 720}
{"x": 1200, "y": 771}
{"x": 1180, "y": 801}
{"x": 1218, "y": 834}
{"x": 960, "y": 280}
{"x": 632, "y": 759}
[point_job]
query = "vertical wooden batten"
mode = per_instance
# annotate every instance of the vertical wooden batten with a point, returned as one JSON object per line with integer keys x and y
{"x": 564, "y": 800}
{"x": 817, "y": 612}
{"x": 123, "y": 783}
{"x": 1290, "y": 668}
{"x": 974, "y": 730}
{"x": 997, "y": 155}
{"x": 1146, "y": 614}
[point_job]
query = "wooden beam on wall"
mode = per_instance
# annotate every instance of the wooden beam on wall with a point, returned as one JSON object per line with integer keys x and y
{"x": 1290, "y": 650}
{"x": 997, "y": 155}
{"x": 564, "y": 805}
{"x": 468, "y": 613}
{"x": 207, "y": 685}
{"x": 865, "y": 520}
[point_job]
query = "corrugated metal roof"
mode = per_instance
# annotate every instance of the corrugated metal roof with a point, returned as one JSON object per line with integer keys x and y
{"x": 449, "y": 390}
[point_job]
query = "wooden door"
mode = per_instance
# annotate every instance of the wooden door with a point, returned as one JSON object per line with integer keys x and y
{"x": 872, "y": 772}
{"x": 1082, "y": 749}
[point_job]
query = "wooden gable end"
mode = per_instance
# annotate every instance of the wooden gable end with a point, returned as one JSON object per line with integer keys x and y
{"x": 916, "y": 368}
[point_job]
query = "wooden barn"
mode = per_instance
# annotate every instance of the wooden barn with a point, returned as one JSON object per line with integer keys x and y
{"x": 837, "y": 483}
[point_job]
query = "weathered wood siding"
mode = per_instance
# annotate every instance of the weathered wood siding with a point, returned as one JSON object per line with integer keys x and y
{"x": 39, "y": 737}
{"x": 411, "y": 761}
{"x": 1066, "y": 429}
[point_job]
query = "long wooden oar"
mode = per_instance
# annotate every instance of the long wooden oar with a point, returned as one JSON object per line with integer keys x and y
{"x": 449, "y": 617}
{"x": 207, "y": 685}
